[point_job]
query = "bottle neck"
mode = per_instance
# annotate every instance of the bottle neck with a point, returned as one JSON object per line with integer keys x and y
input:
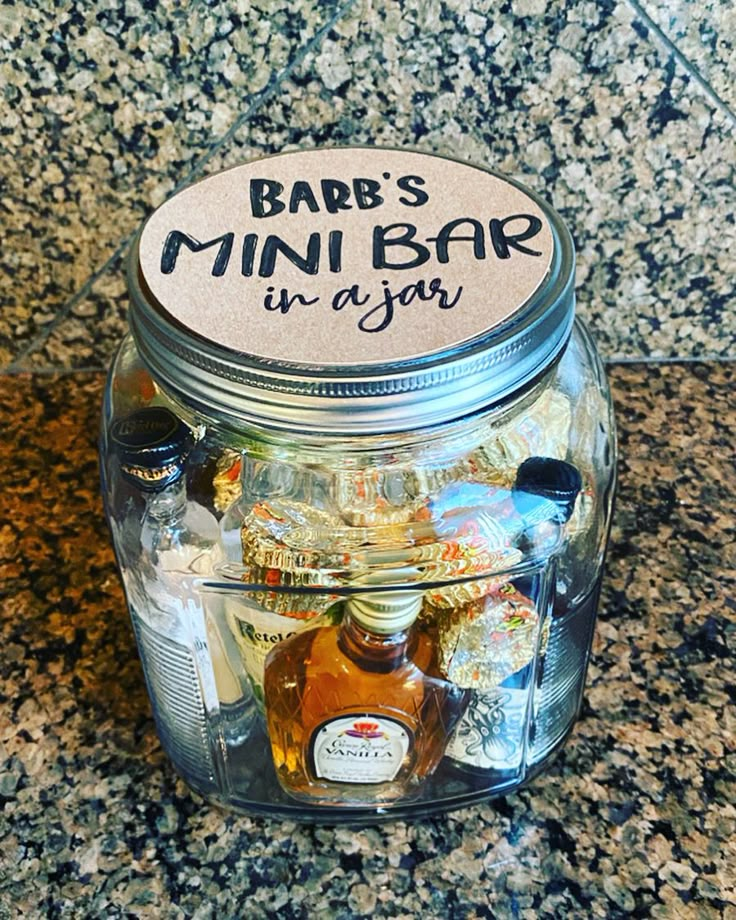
{"x": 359, "y": 642}
{"x": 169, "y": 505}
{"x": 535, "y": 510}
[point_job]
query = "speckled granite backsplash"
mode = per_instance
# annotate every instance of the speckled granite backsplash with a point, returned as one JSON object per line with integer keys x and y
{"x": 621, "y": 113}
{"x": 109, "y": 107}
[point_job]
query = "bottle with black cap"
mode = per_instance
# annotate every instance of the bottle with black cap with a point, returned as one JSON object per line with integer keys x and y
{"x": 490, "y": 740}
{"x": 528, "y": 518}
{"x": 152, "y": 447}
{"x": 172, "y": 622}
{"x": 544, "y": 496}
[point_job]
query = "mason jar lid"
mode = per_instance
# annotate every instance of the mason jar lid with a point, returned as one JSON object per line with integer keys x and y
{"x": 351, "y": 290}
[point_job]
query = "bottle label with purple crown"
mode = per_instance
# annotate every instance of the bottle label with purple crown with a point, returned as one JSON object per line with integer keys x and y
{"x": 363, "y": 748}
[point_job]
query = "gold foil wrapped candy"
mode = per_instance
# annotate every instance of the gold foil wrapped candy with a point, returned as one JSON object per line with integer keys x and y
{"x": 291, "y": 536}
{"x": 374, "y": 497}
{"x": 543, "y": 431}
{"x": 226, "y": 481}
{"x": 483, "y": 643}
{"x": 291, "y": 544}
{"x": 297, "y": 604}
{"x": 474, "y": 524}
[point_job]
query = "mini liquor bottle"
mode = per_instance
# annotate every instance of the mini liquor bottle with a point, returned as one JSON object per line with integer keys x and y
{"x": 185, "y": 662}
{"x": 489, "y": 646}
{"x": 357, "y": 714}
{"x": 257, "y": 547}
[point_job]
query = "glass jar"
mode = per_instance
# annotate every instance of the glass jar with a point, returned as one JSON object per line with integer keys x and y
{"x": 359, "y": 475}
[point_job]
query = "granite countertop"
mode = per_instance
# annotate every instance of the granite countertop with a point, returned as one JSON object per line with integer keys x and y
{"x": 635, "y": 818}
{"x": 621, "y": 113}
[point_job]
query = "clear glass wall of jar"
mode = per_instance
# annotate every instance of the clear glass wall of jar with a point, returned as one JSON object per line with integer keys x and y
{"x": 256, "y": 560}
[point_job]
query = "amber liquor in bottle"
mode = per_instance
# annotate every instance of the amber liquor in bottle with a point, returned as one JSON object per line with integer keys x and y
{"x": 356, "y": 714}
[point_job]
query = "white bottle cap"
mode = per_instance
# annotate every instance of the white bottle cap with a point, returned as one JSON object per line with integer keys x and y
{"x": 386, "y": 612}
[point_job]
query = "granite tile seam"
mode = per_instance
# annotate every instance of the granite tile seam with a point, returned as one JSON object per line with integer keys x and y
{"x": 609, "y": 126}
{"x": 651, "y": 26}
{"x": 259, "y": 100}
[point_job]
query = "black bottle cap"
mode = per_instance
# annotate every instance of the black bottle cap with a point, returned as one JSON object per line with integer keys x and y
{"x": 152, "y": 445}
{"x": 554, "y": 480}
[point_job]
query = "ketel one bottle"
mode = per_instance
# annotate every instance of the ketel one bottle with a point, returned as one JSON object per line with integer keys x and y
{"x": 356, "y": 715}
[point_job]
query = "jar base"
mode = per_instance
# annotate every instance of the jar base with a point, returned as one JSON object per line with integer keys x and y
{"x": 457, "y": 792}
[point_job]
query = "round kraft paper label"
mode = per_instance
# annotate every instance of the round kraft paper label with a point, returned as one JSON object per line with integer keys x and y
{"x": 346, "y": 256}
{"x": 366, "y": 748}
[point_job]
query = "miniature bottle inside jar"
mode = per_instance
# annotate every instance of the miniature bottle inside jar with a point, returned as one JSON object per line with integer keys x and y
{"x": 356, "y": 713}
